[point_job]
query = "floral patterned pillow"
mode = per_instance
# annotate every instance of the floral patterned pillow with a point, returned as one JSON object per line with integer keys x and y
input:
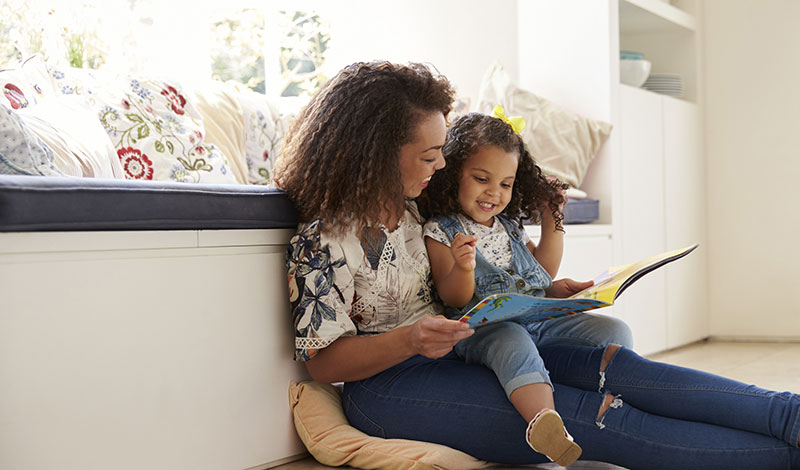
{"x": 25, "y": 85}
{"x": 71, "y": 81}
{"x": 156, "y": 130}
{"x": 265, "y": 128}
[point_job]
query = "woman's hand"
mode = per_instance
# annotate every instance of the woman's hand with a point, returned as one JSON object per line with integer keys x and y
{"x": 434, "y": 337}
{"x": 566, "y": 287}
{"x": 463, "y": 250}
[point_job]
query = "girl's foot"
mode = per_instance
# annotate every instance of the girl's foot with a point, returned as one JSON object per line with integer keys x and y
{"x": 547, "y": 435}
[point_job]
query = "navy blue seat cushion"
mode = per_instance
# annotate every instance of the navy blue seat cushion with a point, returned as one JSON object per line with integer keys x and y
{"x": 37, "y": 203}
{"x": 578, "y": 211}
{"x": 581, "y": 211}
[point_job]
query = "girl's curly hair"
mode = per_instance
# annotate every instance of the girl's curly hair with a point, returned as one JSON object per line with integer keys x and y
{"x": 339, "y": 162}
{"x": 531, "y": 193}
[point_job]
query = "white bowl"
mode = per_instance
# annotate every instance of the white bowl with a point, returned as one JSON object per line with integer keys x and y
{"x": 634, "y": 72}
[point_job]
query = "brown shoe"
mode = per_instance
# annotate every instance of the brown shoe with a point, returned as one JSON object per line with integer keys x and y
{"x": 547, "y": 435}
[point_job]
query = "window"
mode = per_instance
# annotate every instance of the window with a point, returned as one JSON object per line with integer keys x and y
{"x": 237, "y": 48}
{"x": 304, "y": 40}
{"x": 270, "y": 49}
{"x": 60, "y": 34}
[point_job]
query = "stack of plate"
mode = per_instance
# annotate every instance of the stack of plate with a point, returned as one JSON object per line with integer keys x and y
{"x": 665, "y": 83}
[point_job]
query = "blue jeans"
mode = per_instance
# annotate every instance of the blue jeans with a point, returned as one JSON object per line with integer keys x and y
{"x": 667, "y": 417}
{"x": 510, "y": 349}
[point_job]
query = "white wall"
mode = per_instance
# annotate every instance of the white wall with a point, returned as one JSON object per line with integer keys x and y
{"x": 752, "y": 120}
{"x": 460, "y": 37}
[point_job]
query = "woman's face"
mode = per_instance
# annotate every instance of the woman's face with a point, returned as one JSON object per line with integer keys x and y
{"x": 420, "y": 158}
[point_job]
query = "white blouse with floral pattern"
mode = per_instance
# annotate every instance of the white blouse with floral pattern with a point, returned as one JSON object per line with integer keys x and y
{"x": 343, "y": 286}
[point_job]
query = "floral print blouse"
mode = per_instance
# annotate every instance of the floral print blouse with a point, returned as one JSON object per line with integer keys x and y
{"x": 343, "y": 286}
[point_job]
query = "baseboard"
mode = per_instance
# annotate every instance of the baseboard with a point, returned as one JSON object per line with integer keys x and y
{"x": 278, "y": 463}
{"x": 753, "y": 339}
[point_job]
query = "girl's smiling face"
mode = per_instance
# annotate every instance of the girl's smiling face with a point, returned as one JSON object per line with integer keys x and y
{"x": 420, "y": 158}
{"x": 486, "y": 183}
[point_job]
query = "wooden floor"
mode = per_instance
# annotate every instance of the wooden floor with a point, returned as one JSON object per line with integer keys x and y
{"x": 774, "y": 366}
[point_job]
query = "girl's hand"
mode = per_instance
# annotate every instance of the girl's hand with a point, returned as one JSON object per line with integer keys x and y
{"x": 434, "y": 337}
{"x": 463, "y": 250}
{"x": 563, "y": 288}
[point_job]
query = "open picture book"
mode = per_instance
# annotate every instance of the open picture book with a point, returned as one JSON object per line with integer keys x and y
{"x": 523, "y": 308}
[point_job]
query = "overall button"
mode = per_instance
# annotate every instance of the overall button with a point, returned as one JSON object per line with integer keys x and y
{"x": 510, "y": 271}
{"x": 520, "y": 284}
{"x": 515, "y": 234}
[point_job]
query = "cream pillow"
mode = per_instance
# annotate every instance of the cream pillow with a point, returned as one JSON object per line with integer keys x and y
{"x": 223, "y": 120}
{"x": 323, "y": 428}
{"x": 562, "y": 143}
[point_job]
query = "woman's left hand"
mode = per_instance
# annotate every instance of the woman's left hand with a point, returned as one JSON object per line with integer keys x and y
{"x": 566, "y": 287}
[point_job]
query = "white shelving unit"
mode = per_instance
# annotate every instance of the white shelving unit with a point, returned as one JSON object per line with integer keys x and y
{"x": 648, "y": 16}
{"x": 649, "y": 176}
{"x": 666, "y": 35}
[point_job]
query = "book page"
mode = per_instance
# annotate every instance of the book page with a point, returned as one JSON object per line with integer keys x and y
{"x": 525, "y": 309}
{"x": 608, "y": 284}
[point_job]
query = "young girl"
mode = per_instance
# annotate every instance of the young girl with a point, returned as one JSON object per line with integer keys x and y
{"x": 477, "y": 247}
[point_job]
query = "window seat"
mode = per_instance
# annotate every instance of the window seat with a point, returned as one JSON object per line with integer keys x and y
{"x": 144, "y": 325}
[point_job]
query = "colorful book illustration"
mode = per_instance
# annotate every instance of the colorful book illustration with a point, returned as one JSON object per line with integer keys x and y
{"x": 523, "y": 308}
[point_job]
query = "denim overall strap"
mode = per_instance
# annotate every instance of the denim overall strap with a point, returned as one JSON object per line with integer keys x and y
{"x": 450, "y": 225}
{"x": 522, "y": 260}
{"x": 524, "y": 275}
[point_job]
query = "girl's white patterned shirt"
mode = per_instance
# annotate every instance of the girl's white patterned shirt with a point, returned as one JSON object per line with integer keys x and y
{"x": 493, "y": 242}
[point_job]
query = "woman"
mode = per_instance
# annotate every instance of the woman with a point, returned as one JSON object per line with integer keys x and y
{"x": 360, "y": 289}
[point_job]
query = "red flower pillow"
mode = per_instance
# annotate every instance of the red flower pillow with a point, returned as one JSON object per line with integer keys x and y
{"x": 155, "y": 128}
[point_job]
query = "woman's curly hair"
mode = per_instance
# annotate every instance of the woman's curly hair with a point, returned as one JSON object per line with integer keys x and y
{"x": 532, "y": 192}
{"x": 339, "y": 162}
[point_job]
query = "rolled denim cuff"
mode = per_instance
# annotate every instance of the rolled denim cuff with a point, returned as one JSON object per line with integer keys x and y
{"x": 526, "y": 379}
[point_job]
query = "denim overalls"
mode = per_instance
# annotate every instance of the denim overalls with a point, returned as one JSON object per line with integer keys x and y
{"x": 505, "y": 347}
{"x": 525, "y": 275}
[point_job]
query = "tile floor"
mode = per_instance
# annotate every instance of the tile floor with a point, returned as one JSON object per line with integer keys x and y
{"x": 769, "y": 365}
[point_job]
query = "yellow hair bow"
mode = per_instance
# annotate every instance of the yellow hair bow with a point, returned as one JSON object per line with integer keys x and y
{"x": 517, "y": 123}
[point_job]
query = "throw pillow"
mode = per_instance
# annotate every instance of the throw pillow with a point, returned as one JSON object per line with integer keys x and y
{"x": 218, "y": 104}
{"x": 72, "y": 81}
{"x": 69, "y": 126}
{"x": 158, "y": 133}
{"x": 323, "y": 428}
{"x": 154, "y": 125}
{"x": 21, "y": 151}
{"x": 562, "y": 143}
{"x": 25, "y": 84}
{"x": 265, "y": 128}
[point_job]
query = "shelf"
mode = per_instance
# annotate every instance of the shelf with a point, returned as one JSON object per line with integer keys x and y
{"x": 644, "y": 90}
{"x": 666, "y": 36}
{"x": 647, "y": 16}
{"x": 576, "y": 230}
